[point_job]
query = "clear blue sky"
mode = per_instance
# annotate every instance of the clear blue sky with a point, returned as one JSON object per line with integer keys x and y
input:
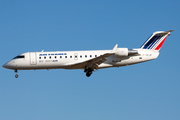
{"x": 146, "y": 91}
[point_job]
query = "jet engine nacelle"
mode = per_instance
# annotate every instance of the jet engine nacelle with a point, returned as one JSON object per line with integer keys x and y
{"x": 121, "y": 52}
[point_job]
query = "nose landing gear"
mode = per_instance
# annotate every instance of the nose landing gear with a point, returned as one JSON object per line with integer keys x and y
{"x": 16, "y": 76}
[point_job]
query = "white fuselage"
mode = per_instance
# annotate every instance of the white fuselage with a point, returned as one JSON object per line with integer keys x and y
{"x": 64, "y": 59}
{"x": 90, "y": 60}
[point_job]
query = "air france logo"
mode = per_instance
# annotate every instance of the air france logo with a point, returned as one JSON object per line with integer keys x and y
{"x": 53, "y": 54}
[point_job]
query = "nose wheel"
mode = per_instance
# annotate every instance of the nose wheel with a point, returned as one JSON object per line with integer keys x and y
{"x": 16, "y": 76}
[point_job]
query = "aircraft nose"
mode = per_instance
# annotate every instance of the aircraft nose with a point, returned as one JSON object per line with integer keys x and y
{"x": 5, "y": 65}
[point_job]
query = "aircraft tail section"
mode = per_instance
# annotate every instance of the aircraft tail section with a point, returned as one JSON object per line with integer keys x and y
{"x": 156, "y": 40}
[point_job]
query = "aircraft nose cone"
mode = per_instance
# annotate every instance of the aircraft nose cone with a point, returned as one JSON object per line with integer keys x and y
{"x": 10, "y": 65}
{"x": 5, "y": 65}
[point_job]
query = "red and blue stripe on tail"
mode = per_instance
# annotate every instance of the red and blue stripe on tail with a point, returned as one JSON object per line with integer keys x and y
{"x": 156, "y": 40}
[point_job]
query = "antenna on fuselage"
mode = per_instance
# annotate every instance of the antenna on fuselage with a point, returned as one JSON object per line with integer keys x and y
{"x": 42, "y": 51}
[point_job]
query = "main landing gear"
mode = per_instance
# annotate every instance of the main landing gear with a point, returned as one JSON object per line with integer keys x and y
{"x": 88, "y": 72}
{"x": 16, "y": 76}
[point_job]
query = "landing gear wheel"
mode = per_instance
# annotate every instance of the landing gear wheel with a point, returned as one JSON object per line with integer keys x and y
{"x": 89, "y": 72}
{"x": 16, "y": 76}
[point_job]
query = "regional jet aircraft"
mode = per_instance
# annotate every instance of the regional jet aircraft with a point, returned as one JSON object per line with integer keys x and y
{"x": 89, "y": 61}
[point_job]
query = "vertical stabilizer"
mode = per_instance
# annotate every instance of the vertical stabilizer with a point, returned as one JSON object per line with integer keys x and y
{"x": 156, "y": 40}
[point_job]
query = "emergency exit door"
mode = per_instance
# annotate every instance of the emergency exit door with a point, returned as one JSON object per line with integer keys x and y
{"x": 33, "y": 60}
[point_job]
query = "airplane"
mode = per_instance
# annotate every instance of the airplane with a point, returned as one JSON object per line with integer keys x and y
{"x": 92, "y": 60}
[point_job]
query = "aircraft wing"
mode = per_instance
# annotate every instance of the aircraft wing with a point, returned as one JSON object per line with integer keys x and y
{"x": 92, "y": 63}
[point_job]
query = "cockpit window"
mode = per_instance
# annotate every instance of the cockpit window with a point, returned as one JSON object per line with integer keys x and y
{"x": 19, "y": 56}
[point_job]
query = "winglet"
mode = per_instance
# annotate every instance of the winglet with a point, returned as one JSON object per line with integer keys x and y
{"x": 114, "y": 49}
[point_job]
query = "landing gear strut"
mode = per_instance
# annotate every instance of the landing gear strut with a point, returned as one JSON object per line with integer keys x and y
{"x": 16, "y": 76}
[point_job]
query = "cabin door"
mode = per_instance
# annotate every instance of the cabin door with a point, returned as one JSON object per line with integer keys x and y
{"x": 33, "y": 60}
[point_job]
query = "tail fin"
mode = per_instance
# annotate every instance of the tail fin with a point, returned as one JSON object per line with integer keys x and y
{"x": 156, "y": 40}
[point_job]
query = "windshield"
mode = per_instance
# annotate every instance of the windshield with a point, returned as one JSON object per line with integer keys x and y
{"x": 19, "y": 56}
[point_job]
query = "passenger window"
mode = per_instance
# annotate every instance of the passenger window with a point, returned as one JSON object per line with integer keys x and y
{"x": 65, "y": 56}
{"x": 70, "y": 56}
{"x": 49, "y": 57}
{"x": 44, "y": 57}
{"x": 95, "y": 55}
{"x": 90, "y": 55}
{"x": 85, "y": 55}
{"x": 80, "y": 56}
{"x": 55, "y": 57}
{"x": 60, "y": 56}
{"x": 39, "y": 57}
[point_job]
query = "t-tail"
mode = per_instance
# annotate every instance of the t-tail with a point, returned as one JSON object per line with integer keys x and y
{"x": 156, "y": 40}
